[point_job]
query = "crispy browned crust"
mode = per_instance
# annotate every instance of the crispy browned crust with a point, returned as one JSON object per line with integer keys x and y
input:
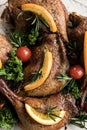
{"x": 79, "y": 27}
{"x": 54, "y": 7}
{"x": 60, "y": 66}
{"x": 63, "y": 102}
{"x": 5, "y": 48}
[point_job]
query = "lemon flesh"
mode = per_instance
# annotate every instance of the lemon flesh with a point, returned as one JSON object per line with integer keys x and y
{"x": 46, "y": 68}
{"x": 43, "y": 118}
{"x": 43, "y": 13}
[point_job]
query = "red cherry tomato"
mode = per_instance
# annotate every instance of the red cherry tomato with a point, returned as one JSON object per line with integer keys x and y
{"x": 23, "y": 53}
{"x": 85, "y": 107}
{"x": 76, "y": 72}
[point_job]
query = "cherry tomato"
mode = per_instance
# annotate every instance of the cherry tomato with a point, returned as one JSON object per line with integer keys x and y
{"x": 85, "y": 107}
{"x": 76, "y": 72}
{"x": 23, "y": 53}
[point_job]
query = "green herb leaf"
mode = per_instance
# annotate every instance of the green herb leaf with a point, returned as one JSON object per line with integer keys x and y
{"x": 63, "y": 77}
{"x": 72, "y": 87}
{"x": 33, "y": 36}
{"x": 19, "y": 39}
{"x": 29, "y": 37}
{"x": 7, "y": 118}
{"x": 36, "y": 74}
{"x": 50, "y": 112}
{"x": 34, "y": 31}
{"x": 12, "y": 70}
{"x": 80, "y": 120}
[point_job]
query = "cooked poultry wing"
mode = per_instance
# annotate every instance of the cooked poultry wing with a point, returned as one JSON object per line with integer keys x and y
{"x": 60, "y": 66}
{"x": 55, "y": 8}
{"x": 63, "y": 102}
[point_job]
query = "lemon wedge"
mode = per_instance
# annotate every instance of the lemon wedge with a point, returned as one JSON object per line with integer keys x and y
{"x": 43, "y": 118}
{"x": 42, "y": 12}
{"x": 45, "y": 71}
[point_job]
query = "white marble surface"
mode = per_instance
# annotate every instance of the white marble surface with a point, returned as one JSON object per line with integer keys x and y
{"x": 2, "y": 2}
{"x": 79, "y": 6}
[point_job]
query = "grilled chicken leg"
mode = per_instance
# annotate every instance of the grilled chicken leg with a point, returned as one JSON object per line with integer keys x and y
{"x": 60, "y": 65}
{"x": 63, "y": 102}
{"x": 54, "y": 7}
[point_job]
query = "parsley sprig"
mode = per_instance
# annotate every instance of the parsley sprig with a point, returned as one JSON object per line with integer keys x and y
{"x": 7, "y": 118}
{"x": 12, "y": 70}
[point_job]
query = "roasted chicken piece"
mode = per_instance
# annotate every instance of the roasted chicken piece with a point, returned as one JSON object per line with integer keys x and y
{"x": 76, "y": 34}
{"x": 55, "y": 8}
{"x": 78, "y": 28}
{"x": 60, "y": 66}
{"x": 5, "y": 48}
{"x": 2, "y": 101}
{"x": 63, "y": 102}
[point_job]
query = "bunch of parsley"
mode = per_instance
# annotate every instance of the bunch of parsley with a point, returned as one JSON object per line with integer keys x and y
{"x": 12, "y": 70}
{"x": 7, "y": 118}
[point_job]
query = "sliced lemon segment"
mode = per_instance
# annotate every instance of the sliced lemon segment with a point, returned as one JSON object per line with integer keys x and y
{"x": 43, "y": 13}
{"x": 43, "y": 118}
{"x": 45, "y": 71}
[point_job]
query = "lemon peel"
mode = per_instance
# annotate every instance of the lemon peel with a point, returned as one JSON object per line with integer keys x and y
{"x": 43, "y": 118}
{"x": 46, "y": 68}
{"x": 43, "y": 13}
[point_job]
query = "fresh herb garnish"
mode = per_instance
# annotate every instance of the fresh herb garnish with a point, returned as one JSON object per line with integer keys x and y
{"x": 51, "y": 112}
{"x": 72, "y": 48}
{"x": 73, "y": 88}
{"x": 12, "y": 70}
{"x": 36, "y": 74}
{"x": 26, "y": 38}
{"x": 74, "y": 51}
{"x": 19, "y": 39}
{"x": 7, "y": 118}
{"x": 29, "y": 37}
{"x": 80, "y": 120}
{"x": 63, "y": 77}
{"x": 33, "y": 36}
{"x": 71, "y": 85}
{"x": 34, "y": 33}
